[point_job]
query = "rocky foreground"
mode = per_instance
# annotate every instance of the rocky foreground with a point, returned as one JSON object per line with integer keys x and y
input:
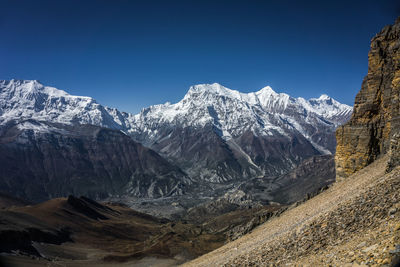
{"x": 354, "y": 222}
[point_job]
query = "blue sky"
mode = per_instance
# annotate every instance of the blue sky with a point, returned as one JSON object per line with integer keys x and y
{"x": 132, "y": 54}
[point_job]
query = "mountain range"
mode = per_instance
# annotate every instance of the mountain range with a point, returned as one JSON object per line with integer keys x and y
{"x": 214, "y": 136}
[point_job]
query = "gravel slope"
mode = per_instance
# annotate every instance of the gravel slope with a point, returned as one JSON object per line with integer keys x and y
{"x": 354, "y": 221}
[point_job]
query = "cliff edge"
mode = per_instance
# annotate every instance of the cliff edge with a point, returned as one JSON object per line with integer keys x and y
{"x": 374, "y": 127}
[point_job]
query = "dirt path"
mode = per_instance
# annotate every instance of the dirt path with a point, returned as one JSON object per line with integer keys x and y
{"x": 294, "y": 220}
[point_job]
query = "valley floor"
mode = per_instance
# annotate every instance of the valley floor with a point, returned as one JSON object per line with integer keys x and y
{"x": 17, "y": 261}
{"x": 355, "y": 222}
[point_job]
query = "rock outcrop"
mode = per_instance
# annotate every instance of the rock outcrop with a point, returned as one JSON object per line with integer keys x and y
{"x": 374, "y": 127}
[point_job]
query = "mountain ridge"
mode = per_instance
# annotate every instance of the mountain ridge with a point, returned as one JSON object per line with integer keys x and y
{"x": 31, "y": 89}
{"x": 250, "y": 130}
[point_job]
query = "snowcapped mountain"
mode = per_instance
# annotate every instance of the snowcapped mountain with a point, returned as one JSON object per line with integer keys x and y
{"x": 214, "y": 133}
{"x": 219, "y": 134}
{"x": 232, "y": 113}
{"x": 29, "y": 99}
{"x": 51, "y": 145}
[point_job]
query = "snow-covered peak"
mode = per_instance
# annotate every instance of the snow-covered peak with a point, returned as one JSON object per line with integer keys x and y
{"x": 34, "y": 87}
{"x": 29, "y": 99}
{"x": 215, "y": 89}
{"x": 267, "y": 90}
{"x": 324, "y": 97}
{"x": 206, "y": 95}
{"x": 328, "y": 107}
{"x": 264, "y": 112}
{"x": 15, "y": 82}
{"x": 210, "y": 88}
{"x": 21, "y": 88}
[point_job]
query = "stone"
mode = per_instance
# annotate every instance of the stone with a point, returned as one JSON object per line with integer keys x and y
{"x": 362, "y": 244}
{"x": 395, "y": 250}
{"x": 374, "y": 128}
{"x": 392, "y": 211}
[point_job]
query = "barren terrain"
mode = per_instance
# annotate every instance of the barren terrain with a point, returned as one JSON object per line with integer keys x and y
{"x": 355, "y": 221}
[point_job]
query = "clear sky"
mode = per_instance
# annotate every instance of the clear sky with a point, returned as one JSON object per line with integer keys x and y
{"x": 132, "y": 54}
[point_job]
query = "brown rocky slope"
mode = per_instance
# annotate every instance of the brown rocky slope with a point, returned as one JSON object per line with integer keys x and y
{"x": 355, "y": 221}
{"x": 374, "y": 126}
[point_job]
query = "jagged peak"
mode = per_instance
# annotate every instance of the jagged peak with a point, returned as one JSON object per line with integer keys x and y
{"x": 324, "y": 97}
{"x": 18, "y": 82}
{"x": 329, "y": 100}
{"x": 34, "y": 87}
{"x": 220, "y": 90}
{"x": 214, "y": 88}
{"x": 264, "y": 97}
{"x": 266, "y": 90}
{"x": 207, "y": 87}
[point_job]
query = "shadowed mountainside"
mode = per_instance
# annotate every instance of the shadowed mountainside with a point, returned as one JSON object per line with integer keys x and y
{"x": 41, "y": 160}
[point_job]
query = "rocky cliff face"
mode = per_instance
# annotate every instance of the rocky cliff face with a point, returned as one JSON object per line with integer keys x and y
{"x": 374, "y": 127}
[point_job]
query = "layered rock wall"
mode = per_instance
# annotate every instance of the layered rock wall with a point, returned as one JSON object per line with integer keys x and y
{"x": 374, "y": 127}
